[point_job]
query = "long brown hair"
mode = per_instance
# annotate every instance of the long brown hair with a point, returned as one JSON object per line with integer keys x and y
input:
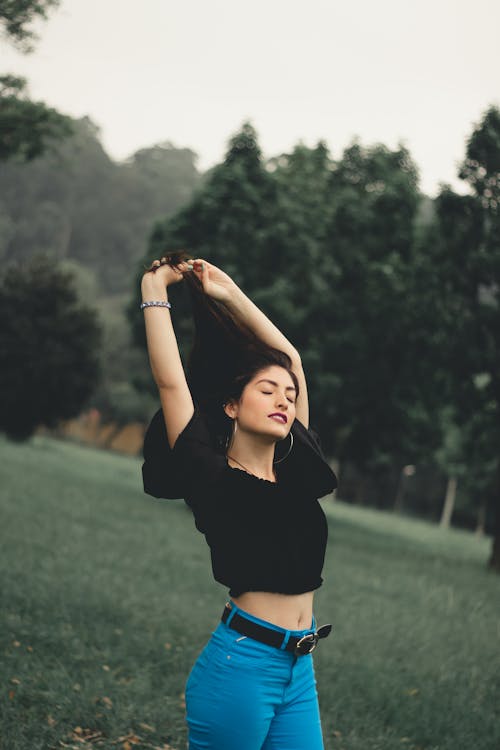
{"x": 225, "y": 355}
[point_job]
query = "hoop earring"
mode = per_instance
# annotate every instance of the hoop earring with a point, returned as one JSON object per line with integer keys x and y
{"x": 289, "y": 451}
{"x": 230, "y": 437}
{"x": 235, "y": 427}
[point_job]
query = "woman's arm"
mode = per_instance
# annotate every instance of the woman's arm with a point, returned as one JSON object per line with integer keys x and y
{"x": 220, "y": 286}
{"x": 245, "y": 310}
{"x": 164, "y": 357}
{"x": 217, "y": 284}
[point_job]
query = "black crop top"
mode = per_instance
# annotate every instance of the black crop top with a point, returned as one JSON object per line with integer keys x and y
{"x": 263, "y": 535}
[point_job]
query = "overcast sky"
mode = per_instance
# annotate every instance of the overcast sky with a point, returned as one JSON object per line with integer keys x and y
{"x": 191, "y": 71}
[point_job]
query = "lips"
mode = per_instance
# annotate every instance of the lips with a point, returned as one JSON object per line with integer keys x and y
{"x": 279, "y": 417}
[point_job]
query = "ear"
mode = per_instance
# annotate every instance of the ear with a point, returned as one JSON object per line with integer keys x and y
{"x": 230, "y": 409}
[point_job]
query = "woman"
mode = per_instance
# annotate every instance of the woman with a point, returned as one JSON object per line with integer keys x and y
{"x": 232, "y": 438}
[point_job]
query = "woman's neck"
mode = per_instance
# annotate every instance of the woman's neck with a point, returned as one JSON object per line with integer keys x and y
{"x": 254, "y": 457}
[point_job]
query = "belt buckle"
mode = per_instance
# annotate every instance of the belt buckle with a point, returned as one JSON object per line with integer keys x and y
{"x": 313, "y": 640}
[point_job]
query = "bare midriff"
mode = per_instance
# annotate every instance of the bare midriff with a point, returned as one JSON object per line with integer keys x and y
{"x": 290, "y": 611}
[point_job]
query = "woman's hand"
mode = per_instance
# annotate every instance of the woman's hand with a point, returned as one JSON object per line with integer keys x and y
{"x": 216, "y": 283}
{"x": 165, "y": 274}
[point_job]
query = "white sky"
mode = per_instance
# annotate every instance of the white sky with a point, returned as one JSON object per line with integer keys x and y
{"x": 191, "y": 71}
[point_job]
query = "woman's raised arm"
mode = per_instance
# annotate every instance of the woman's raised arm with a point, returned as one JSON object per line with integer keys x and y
{"x": 220, "y": 286}
{"x": 165, "y": 360}
{"x": 217, "y": 284}
{"x": 247, "y": 311}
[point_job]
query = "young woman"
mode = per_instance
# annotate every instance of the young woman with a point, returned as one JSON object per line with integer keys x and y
{"x": 232, "y": 438}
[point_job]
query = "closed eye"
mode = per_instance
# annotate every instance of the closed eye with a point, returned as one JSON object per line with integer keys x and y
{"x": 270, "y": 393}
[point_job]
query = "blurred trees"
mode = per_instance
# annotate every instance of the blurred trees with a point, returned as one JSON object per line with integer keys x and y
{"x": 66, "y": 201}
{"x": 76, "y": 203}
{"x": 367, "y": 327}
{"x": 49, "y": 344}
{"x": 92, "y": 216}
{"x": 27, "y": 128}
{"x": 17, "y": 15}
{"x": 469, "y": 240}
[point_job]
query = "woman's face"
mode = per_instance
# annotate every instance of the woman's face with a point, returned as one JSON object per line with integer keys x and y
{"x": 271, "y": 390}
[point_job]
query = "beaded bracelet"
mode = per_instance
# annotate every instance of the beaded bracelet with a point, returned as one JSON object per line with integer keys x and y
{"x": 156, "y": 303}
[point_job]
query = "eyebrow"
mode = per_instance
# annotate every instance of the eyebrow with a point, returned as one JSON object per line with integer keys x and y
{"x": 273, "y": 382}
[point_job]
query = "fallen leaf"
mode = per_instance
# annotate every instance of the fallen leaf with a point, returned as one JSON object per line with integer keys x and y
{"x": 51, "y": 721}
{"x": 128, "y": 740}
{"x": 11, "y": 694}
{"x": 105, "y": 667}
{"x": 86, "y": 735}
{"x": 16, "y": 643}
{"x": 147, "y": 727}
{"x": 15, "y": 680}
{"x": 134, "y": 739}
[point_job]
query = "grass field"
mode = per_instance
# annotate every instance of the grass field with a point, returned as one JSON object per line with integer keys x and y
{"x": 107, "y": 599}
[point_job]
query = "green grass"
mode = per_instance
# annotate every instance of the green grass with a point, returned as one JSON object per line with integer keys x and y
{"x": 107, "y": 598}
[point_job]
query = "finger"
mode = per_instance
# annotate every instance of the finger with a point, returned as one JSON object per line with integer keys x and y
{"x": 200, "y": 265}
{"x": 183, "y": 267}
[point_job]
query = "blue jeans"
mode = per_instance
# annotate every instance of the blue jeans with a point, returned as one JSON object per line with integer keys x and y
{"x": 242, "y": 694}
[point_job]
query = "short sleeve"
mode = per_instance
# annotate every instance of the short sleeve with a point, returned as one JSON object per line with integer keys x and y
{"x": 306, "y": 466}
{"x": 188, "y": 468}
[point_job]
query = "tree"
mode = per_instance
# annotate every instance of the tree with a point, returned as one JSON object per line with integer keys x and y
{"x": 469, "y": 242}
{"x": 85, "y": 207}
{"x": 49, "y": 343}
{"x": 26, "y": 127}
{"x": 481, "y": 169}
{"x": 16, "y": 15}
{"x": 372, "y": 383}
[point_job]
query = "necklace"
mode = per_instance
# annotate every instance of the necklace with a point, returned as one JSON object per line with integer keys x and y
{"x": 249, "y": 472}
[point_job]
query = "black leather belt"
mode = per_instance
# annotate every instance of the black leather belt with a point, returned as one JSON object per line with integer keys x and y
{"x": 298, "y": 645}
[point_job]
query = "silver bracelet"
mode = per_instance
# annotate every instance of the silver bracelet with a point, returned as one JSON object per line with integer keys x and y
{"x": 156, "y": 303}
